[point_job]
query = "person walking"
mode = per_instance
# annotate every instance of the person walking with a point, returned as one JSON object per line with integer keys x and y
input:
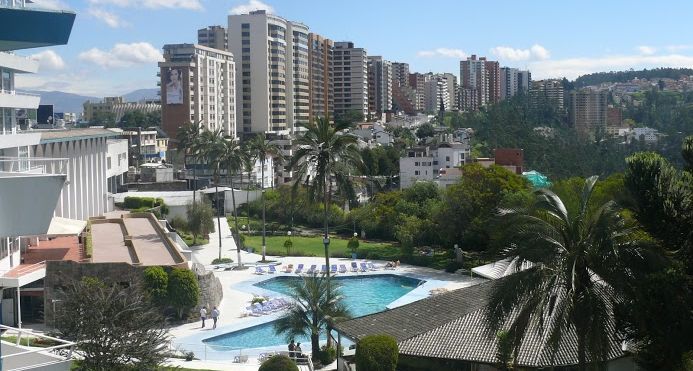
{"x": 215, "y": 317}
{"x": 203, "y": 315}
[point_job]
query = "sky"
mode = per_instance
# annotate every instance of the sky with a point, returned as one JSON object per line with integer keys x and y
{"x": 115, "y": 44}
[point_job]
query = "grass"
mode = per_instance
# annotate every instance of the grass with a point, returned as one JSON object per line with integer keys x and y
{"x": 312, "y": 246}
{"x": 31, "y": 342}
{"x": 188, "y": 238}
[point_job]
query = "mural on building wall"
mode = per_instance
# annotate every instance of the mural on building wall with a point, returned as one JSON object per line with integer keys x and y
{"x": 174, "y": 87}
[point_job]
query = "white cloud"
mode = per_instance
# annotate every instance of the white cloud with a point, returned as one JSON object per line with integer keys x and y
{"x": 152, "y": 4}
{"x": 535, "y": 52}
{"x": 250, "y": 6}
{"x": 573, "y": 67}
{"x": 442, "y": 53}
{"x": 678, "y": 48}
{"x": 49, "y": 60}
{"x": 646, "y": 50}
{"x": 123, "y": 55}
{"x": 111, "y": 19}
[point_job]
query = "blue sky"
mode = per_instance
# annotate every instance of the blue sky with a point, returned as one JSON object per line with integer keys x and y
{"x": 115, "y": 44}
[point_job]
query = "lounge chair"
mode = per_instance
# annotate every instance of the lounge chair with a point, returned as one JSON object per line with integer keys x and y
{"x": 354, "y": 267}
{"x": 289, "y": 268}
{"x": 333, "y": 268}
{"x": 259, "y": 270}
{"x": 364, "y": 267}
{"x": 372, "y": 266}
{"x": 342, "y": 268}
{"x": 323, "y": 270}
{"x": 240, "y": 359}
{"x": 272, "y": 269}
{"x": 299, "y": 269}
{"x": 312, "y": 269}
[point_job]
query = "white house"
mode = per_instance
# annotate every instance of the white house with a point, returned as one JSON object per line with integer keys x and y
{"x": 427, "y": 163}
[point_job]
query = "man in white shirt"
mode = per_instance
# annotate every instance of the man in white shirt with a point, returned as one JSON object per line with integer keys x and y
{"x": 215, "y": 317}
{"x": 203, "y": 315}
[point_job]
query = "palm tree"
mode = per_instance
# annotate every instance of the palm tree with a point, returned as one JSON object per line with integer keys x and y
{"x": 248, "y": 163}
{"x": 188, "y": 136}
{"x": 580, "y": 260}
{"x": 325, "y": 151}
{"x": 317, "y": 305}
{"x": 234, "y": 156}
{"x": 212, "y": 148}
{"x": 262, "y": 149}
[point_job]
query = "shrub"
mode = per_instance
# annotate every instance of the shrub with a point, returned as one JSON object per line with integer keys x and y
{"x": 179, "y": 223}
{"x": 377, "y": 353}
{"x": 453, "y": 266}
{"x": 353, "y": 244}
{"x": 327, "y": 355}
{"x": 139, "y": 202}
{"x": 258, "y": 299}
{"x": 189, "y": 356}
{"x": 222, "y": 261}
{"x": 278, "y": 363}
{"x": 156, "y": 284}
{"x": 183, "y": 290}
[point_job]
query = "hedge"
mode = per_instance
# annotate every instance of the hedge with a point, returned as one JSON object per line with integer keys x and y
{"x": 377, "y": 353}
{"x": 278, "y": 363}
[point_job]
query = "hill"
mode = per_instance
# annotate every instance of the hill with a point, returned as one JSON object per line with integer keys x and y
{"x": 624, "y": 76}
{"x": 138, "y": 95}
{"x": 65, "y": 102}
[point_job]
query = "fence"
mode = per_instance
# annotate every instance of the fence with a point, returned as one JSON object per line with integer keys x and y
{"x": 220, "y": 353}
{"x": 34, "y": 165}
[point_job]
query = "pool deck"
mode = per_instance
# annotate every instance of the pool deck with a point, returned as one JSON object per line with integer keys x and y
{"x": 239, "y": 289}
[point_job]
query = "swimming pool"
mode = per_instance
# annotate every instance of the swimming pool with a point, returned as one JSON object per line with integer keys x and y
{"x": 362, "y": 295}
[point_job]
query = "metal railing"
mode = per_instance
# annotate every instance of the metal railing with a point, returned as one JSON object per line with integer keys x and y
{"x": 34, "y": 165}
{"x": 221, "y": 353}
{"x": 64, "y": 349}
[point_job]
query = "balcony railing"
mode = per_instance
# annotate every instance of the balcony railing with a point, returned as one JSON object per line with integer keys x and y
{"x": 24, "y": 357}
{"x": 33, "y": 165}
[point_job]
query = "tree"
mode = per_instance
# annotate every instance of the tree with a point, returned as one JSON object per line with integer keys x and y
{"x": 317, "y": 305}
{"x": 133, "y": 119}
{"x": 213, "y": 149}
{"x": 262, "y": 149}
{"x": 582, "y": 260}
{"x": 188, "y": 137}
{"x": 200, "y": 219}
{"x": 278, "y": 363}
{"x": 183, "y": 290}
{"x": 377, "y": 353}
{"x": 103, "y": 118}
{"x": 425, "y": 131}
{"x": 233, "y": 159}
{"x": 156, "y": 284}
{"x": 327, "y": 152}
{"x": 114, "y": 326}
{"x": 348, "y": 118}
{"x": 248, "y": 163}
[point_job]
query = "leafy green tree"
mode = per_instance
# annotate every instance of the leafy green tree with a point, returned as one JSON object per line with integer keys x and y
{"x": 183, "y": 290}
{"x": 233, "y": 159}
{"x": 425, "y": 131}
{"x": 330, "y": 154}
{"x": 278, "y": 363}
{"x": 133, "y": 119}
{"x": 317, "y": 305}
{"x": 583, "y": 259}
{"x": 348, "y": 118}
{"x": 263, "y": 149}
{"x": 213, "y": 149}
{"x": 156, "y": 284}
{"x": 200, "y": 219}
{"x": 687, "y": 152}
{"x": 115, "y": 327}
{"x": 103, "y": 118}
{"x": 377, "y": 353}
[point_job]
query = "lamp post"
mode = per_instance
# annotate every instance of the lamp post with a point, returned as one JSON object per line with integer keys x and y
{"x": 288, "y": 252}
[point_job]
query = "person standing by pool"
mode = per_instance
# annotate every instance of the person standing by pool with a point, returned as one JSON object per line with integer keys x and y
{"x": 215, "y": 317}
{"x": 203, "y": 315}
{"x": 292, "y": 348}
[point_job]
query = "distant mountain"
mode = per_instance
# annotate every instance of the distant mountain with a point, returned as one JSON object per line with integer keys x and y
{"x": 140, "y": 94}
{"x": 624, "y": 76}
{"x": 65, "y": 102}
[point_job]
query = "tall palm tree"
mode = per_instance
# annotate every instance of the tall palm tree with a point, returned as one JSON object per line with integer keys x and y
{"x": 262, "y": 149}
{"x": 317, "y": 305}
{"x": 327, "y": 153}
{"x": 188, "y": 136}
{"x": 234, "y": 156}
{"x": 212, "y": 148}
{"x": 581, "y": 259}
{"x": 248, "y": 163}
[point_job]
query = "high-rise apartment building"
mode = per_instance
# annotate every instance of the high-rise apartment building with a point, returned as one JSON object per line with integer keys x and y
{"x": 547, "y": 91}
{"x": 513, "y": 81}
{"x": 350, "y": 78}
{"x": 417, "y": 81}
{"x": 587, "y": 111}
{"x": 473, "y": 76}
{"x": 197, "y": 85}
{"x": 437, "y": 93}
{"x": 493, "y": 77}
{"x": 272, "y": 74}
{"x": 467, "y": 99}
{"x": 213, "y": 37}
{"x": 400, "y": 74}
{"x": 379, "y": 85}
{"x": 451, "y": 85}
{"x": 320, "y": 73}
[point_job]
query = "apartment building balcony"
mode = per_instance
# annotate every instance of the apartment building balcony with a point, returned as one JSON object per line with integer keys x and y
{"x": 15, "y": 356}
{"x": 27, "y": 27}
{"x": 30, "y": 188}
{"x": 18, "y": 99}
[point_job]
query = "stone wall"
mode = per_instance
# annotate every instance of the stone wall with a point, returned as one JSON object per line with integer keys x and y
{"x": 59, "y": 274}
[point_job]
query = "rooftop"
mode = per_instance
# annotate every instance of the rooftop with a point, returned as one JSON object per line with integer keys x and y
{"x": 50, "y": 136}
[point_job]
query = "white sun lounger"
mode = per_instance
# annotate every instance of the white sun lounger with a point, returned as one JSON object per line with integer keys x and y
{"x": 312, "y": 269}
{"x": 354, "y": 267}
{"x": 372, "y": 266}
{"x": 364, "y": 267}
{"x": 272, "y": 269}
{"x": 333, "y": 268}
{"x": 259, "y": 270}
{"x": 342, "y": 268}
{"x": 299, "y": 269}
{"x": 323, "y": 270}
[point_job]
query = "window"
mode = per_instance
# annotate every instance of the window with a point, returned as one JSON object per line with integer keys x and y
{"x": 416, "y": 163}
{"x": 447, "y": 158}
{"x": 417, "y": 172}
{"x": 108, "y": 163}
{"x": 245, "y": 26}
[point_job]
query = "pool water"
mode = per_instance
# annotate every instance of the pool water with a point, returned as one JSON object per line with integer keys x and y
{"x": 362, "y": 295}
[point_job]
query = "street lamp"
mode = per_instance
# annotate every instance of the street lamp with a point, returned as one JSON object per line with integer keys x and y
{"x": 288, "y": 252}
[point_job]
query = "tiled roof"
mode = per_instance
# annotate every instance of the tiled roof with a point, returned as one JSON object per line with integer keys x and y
{"x": 453, "y": 326}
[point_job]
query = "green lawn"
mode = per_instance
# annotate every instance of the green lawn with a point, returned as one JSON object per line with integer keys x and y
{"x": 312, "y": 246}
